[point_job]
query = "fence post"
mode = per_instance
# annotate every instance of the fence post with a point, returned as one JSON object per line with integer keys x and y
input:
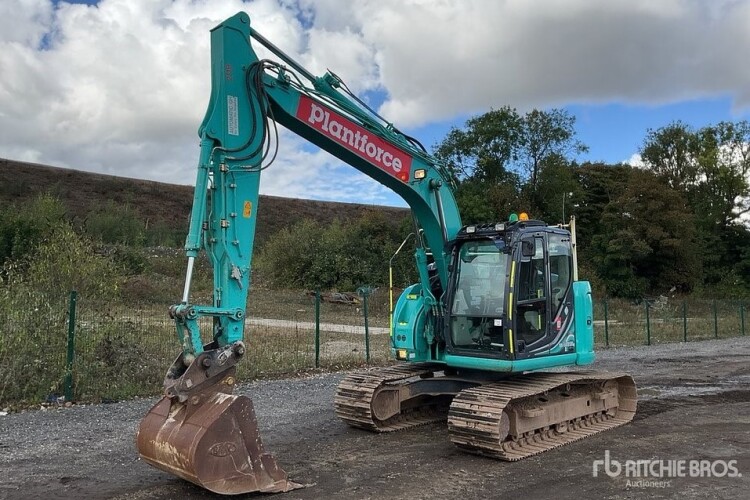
{"x": 606, "y": 324}
{"x": 367, "y": 327}
{"x": 742, "y": 319}
{"x": 648, "y": 325}
{"x": 317, "y": 329}
{"x": 71, "y": 346}
{"x": 716, "y": 322}
{"x": 684, "y": 320}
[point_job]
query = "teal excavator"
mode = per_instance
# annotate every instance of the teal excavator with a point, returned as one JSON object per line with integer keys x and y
{"x": 495, "y": 303}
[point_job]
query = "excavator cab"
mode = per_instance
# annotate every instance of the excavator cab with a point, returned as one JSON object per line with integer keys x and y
{"x": 511, "y": 282}
{"x": 478, "y": 301}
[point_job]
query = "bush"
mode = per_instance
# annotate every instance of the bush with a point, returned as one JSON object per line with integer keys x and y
{"x": 23, "y": 227}
{"x": 129, "y": 260}
{"x": 162, "y": 235}
{"x": 287, "y": 259}
{"x": 339, "y": 256}
{"x": 114, "y": 224}
{"x": 64, "y": 261}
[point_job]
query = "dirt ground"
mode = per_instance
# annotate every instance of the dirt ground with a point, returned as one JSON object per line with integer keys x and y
{"x": 694, "y": 405}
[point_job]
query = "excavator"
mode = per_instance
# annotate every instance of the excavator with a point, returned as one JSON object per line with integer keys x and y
{"x": 481, "y": 340}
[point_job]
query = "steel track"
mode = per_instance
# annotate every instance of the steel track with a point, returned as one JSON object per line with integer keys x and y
{"x": 475, "y": 417}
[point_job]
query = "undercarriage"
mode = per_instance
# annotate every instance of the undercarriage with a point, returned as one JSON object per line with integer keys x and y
{"x": 508, "y": 418}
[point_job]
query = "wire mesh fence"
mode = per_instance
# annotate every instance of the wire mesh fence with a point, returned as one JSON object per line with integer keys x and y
{"x": 120, "y": 351}
{"x": 623, "y": 323}
{"x": 33, "y": 346}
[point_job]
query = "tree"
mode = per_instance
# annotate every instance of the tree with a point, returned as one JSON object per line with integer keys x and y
{"x": 546, "y": 135}
{"x": 500, "y": 148}
{"x": 724, "y": 164}
{"x": 711, "y": 166}
{"x": 598, "y": 185}
{"x": 484, "y": 148}
{"x": 671, "y": 152}
{"x": 556, "y": 186}
{"x": 482, "y": 202}
{"x": 647, "y": 243}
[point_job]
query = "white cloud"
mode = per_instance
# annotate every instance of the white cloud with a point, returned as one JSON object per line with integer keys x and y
{"x": 441, "y": 59}
{"x": 635, "y": 160}
{"x": 122, "y": 87}
{"x": 25, "y": 21}
{"x": 345, "y": 53}
{"x": 303, "y": 172}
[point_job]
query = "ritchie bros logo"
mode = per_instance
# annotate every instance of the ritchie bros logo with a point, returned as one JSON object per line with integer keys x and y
{"x": 660, "y": 473}
{"x": 355, "y": 138}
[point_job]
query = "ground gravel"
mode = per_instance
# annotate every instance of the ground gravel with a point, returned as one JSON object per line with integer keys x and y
{"x": 88, "y": 451}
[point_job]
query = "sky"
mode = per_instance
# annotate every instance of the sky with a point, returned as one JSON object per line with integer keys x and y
{"x": 121, "y": 86}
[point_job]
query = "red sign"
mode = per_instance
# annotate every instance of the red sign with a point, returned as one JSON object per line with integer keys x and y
{"x": 355, "y": 138}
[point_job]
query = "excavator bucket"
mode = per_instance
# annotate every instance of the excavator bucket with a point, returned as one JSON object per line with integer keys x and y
{"x": 211, "y": 440}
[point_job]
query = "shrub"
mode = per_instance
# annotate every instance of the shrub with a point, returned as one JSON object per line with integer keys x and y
{"x": 114, "y": 224}
{"x": 129, "y": 260}
{"x": 23, "y": 227}
{"x": 64, "y": 261}
{"x": 340, "y": 256}
{"x": 160, "y": 234}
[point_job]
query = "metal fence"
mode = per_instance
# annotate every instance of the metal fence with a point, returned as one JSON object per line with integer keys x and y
{"x": 622, "y": 323}
{"x": 77, "y": 348}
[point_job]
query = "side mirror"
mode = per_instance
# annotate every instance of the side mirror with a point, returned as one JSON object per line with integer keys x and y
{"x": 527, "y": 248}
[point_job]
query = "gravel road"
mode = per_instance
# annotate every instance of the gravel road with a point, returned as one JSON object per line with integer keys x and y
{"x": 309, "y": 325}
{"x": 694, "y": 404}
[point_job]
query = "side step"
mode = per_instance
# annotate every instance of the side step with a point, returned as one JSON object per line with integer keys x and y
{"x": 536, "y": 412}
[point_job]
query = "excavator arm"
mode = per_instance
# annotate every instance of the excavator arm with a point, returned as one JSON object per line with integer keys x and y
{"x": 249, "y": 98}
{"x": 199, "y": 431}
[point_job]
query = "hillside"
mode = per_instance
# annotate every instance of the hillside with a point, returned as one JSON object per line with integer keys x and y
{"x": 155, "y": 202}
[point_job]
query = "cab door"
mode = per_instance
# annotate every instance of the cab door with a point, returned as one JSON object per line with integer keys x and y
{"x": 531, "y": 295}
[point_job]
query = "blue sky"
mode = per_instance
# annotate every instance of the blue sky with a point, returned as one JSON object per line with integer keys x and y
{"x": 121, "y": 87}
{"x": 613, "y": 132}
